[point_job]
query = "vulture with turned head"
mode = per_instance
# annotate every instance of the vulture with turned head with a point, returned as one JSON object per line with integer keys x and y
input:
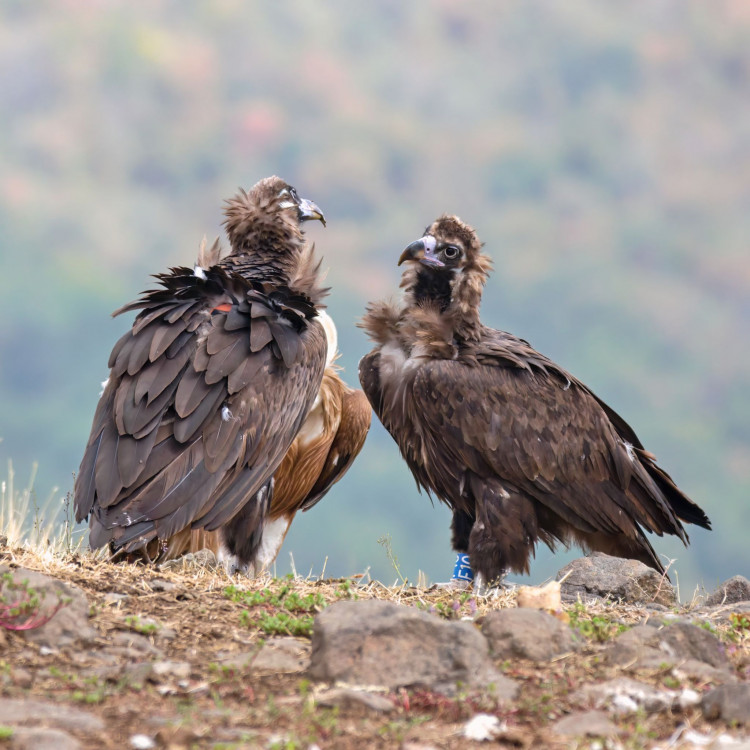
{"x": 209, "y": 388}
{"x": 519, "y": 449}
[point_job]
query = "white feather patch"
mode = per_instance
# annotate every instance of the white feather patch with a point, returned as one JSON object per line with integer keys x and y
{"x": 629, "y": 449}
{"x": 199, "y": 272}
{"x": 270, "y": 544}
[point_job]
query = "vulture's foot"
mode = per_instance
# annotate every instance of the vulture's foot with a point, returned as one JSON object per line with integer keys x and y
{"x": 203, "y": 559}
{"x": 490, "y": 589}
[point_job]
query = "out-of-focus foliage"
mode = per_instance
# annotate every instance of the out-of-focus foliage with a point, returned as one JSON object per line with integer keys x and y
{"x": 602, "y": 150}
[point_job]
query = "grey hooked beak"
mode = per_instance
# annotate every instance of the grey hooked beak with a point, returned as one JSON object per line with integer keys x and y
{"x": 423, "y": 251}
{"x": 308, "y": 210}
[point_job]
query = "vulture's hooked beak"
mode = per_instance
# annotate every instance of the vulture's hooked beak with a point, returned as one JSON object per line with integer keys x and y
{"x": 423, "y": 251}
{"x": 308, "y": 210}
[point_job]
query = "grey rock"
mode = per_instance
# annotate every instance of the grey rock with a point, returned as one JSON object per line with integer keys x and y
{"x": 701, "y": 672}
{"x": 43, "y": 739}
{"x": 623, "y": 695}
{"x": 603, "y": 576}
{"x": 282, "y": 656}
{"x": 647, "y": 647}
{"x": 170, "y": 670}
{"x": 132, "y": 645}
{"x": 735, "y": 589}
{"x": 348, "y": 698}
{"x": 728, "y": 702}
{"x": 527, "y": 634}
{"x": 236, "y": 660}
{"x": 70, "y": 624}
{"x": 586, "y": 723}
{"x": 15, "y": 712}
{"x": 134, "y": 674}
{"x": 391, "y": 645}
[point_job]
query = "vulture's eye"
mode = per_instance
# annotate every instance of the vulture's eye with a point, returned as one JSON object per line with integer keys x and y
{"x": 451, "y": 252}
{"x": 293, "y": 194}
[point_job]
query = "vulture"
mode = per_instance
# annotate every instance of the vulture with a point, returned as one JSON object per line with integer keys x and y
{"x": 519, "y": 449}
{"x": 329, "y": 440}
{"x": 209, "y": 388}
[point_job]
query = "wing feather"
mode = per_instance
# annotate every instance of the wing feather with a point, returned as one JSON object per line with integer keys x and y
{"x": 558, "y": 445}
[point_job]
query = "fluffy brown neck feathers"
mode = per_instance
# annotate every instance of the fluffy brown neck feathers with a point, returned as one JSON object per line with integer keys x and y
{"x": 267, "y": 242}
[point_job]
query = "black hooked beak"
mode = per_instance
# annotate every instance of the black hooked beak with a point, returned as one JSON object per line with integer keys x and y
{"x": 423, "y": 251}
{"x": 308, "y": 210}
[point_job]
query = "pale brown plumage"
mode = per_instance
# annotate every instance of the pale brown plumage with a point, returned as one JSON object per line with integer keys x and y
{"x": 519, "y": 449}
{"x": 329, "y": 440}
{"x": 210, "y": 386}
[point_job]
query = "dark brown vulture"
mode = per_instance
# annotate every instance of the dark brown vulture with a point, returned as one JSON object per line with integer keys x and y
{"x": 329, "y": 440}
{"x": 518, "y": 448}
{"x": 209, "y": 388}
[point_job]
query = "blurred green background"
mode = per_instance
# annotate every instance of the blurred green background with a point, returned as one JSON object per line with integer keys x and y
{"x": 601, "y": 149}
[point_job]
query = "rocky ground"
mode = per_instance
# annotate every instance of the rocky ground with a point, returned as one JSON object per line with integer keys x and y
{"x": 186, "y": 657}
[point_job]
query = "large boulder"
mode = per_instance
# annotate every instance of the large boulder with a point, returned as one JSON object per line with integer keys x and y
{"x": 728, "y": 702}
{"x": 735, "y": 589}
{"x": 69, "y": 625}
{"x": 390, "y": 645}
{"x": 679, "y": 645}
{"x": 527, "y": 634}
{"x": 607, "y": 577}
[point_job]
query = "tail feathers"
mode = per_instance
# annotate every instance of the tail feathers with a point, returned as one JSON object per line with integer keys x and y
{"x": 684, "y": 508}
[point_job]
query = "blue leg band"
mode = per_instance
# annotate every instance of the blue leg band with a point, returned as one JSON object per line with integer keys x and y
{"x": 462, "y": 570}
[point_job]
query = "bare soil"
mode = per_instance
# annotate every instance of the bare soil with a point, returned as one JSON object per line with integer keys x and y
{"x": 191, "y": 616}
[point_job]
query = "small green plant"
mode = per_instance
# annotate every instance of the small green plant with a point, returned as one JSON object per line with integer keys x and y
{"x": 671, "y": 682}
{"x": 740, "y": 624}
{"x": 385, "y": 543}
{"x": 6, "y": 733}
{"x": 279, "y": 623}
{"x": 593, "y": 627}
{"x": 285, "y": 744}
{"x": 139, "y": 626}
{"x": 92, "y": 697}
{"x": 709, "y": 627}
{"x": 346, "y": 590}
{"x": 278, "y": 612}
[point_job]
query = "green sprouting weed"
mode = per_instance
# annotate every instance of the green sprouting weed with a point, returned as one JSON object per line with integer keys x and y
{"x": 385, "y": 543}
{"x": 145, "y": 628}
{"x": 593, "y": 627}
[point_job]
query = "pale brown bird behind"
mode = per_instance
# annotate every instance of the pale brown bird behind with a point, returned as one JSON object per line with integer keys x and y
{"x": 329, "y": 440}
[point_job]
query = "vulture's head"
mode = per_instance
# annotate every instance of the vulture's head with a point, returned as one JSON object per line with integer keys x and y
{"x": 271, "y": 211}
{"x": 446, "y": 266}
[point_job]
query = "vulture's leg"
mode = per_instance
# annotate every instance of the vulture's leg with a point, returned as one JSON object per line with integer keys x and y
{"x": 461, "y": 526}
{"x": 504, "y": 533}
{"x": 242, "y": 536}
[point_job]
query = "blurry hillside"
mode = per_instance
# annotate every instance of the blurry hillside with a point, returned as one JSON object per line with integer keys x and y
{"x": 601, "y": 149}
